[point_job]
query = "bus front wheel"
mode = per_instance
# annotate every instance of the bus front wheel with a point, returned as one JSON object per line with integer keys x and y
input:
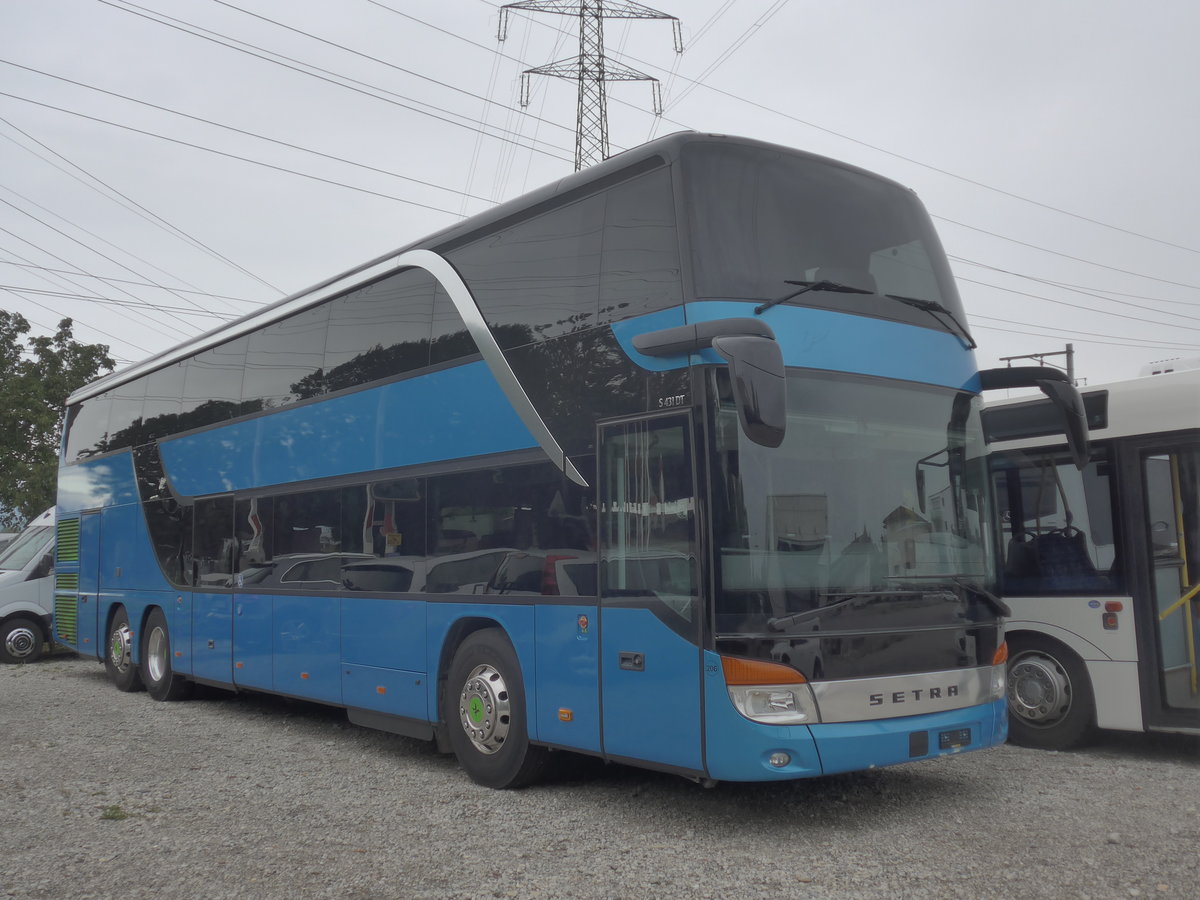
{"x": 484, "y": 708}
{"x": 162, "y": 683}
{"x": 118, "y": 657}
{"x": 1050, "y": 701}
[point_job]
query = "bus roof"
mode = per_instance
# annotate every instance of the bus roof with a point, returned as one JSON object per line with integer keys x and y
{"x": 1149, "y": 404}
{"x": 618, "y": 168}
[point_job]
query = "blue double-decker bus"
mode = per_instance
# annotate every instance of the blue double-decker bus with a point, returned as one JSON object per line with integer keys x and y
{"x": 676, "y": 461}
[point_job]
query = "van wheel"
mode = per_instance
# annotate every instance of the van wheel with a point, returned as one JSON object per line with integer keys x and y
{"x": 484, "y": 708}
{"x": 118, "y": 658}
{"x": 21, "y": 641}
{"x": 157, "y": 672}
{"x": 1050, "y": 700}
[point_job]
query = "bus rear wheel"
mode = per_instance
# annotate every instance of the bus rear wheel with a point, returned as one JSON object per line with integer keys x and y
{"x": 118, "y": 658}
{"x": 21, "y": 641}
{"x": 1050, "y": 701}
{"x": 162, "y": 683}
{"x": 484, "y": 708}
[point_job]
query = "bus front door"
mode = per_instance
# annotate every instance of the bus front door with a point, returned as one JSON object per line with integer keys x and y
{"x": 1170, "y": 478}
{"x": 650, "y": 612}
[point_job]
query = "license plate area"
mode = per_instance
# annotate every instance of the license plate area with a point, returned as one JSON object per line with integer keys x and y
{"x": 949, "y": 740}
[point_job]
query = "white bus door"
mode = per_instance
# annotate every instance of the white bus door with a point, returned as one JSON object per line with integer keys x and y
{"x": 1172, "y": 508}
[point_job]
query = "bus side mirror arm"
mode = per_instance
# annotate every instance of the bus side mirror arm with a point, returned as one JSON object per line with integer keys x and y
{"x": 1055, "y": 385}
{"x": 755, "y": 368}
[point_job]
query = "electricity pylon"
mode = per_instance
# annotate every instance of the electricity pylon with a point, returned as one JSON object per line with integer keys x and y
{"x": 590, "y": 68}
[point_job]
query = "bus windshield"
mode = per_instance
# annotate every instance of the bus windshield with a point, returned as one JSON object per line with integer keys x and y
{"x": 878, "y": 491}
{"x": 25, "y": 547}
{"x": 760, "y": 219}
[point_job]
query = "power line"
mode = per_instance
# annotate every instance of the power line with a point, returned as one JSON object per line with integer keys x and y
{"x": 346, "y": 82}
{"x": 60, "y": 259}
{"x": 1067, "y": 255}
{"x": 130, "y": 203}
{"x": 92, "y": 298}
{"x": 90, "y": 234}
{"x": 110, "y": 279}
{"x": 1090, "y": 309}
{"x": 213, "y": 150}
{"x": 240, "y": 131}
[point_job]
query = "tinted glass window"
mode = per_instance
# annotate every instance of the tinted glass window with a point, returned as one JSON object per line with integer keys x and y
{"x": 450, "y": 338}
{"x": 641, "y": 249}
{"x": 391, "y": 516}
{"x": 87, "y": 428}
{"x": 379, "y": 330}
{"x": 125, "y": 414}
{"x": 647, "y": 515}
{"x": 212, "y": 387}
{"x": 512, "y": 530}
{"x": 759, "y": 217}
{"x": 309, "y": 522}
{"x": 539, "y": 278}
{"x": 282, "y": 359}
{"x": 164, "y": 392}
{"x": 214, "y": 550}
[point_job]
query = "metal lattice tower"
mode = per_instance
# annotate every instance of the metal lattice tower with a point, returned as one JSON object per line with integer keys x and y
{"x": 590, "y": 68}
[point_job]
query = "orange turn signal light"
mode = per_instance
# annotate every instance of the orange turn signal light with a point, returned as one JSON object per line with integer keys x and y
{"x": 755, "y": 671}
{"x": 1001, "y": 654}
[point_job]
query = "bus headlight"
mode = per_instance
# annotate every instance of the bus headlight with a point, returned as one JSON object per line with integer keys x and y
{"x": 775, "y": 704}
{"x": 999, "y": 682}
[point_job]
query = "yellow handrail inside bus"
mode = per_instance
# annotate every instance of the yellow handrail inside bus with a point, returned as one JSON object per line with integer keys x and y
{"x": 1185, "y": 578}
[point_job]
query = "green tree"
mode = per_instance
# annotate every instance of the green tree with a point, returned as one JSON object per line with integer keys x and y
{"x": 36, "y": 376}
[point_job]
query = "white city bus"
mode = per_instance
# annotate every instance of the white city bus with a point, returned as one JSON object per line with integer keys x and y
{"x": 1101, "y": 566}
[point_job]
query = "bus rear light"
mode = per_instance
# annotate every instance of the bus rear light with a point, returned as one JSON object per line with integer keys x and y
{"x": 1001, "y": 655}
{"x": 1109, "y": 621}
{"x": 1113, "y": 606}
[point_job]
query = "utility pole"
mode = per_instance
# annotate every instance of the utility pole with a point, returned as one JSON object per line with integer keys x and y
{"x": 1069, "y": 353}
{"x": 590, "y": 68}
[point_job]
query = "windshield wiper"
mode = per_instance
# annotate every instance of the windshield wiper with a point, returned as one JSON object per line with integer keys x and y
{"x": 805, "y": 287}
{"x": 934, "y": 308}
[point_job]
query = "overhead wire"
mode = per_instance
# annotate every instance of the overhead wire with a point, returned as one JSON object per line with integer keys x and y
{"x": 92, "y": 235}
{"x": 129, "y": 203}
{"x": 109, "y": 279}
{"x": 295, "y": 65}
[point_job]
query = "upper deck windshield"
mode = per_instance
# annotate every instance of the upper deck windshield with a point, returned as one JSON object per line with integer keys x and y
{"x": 761, "y": 216}
{"x": 876, "y": 498}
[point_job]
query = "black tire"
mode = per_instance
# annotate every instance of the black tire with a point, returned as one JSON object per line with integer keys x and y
{"x": 118, "y": 654}
{"x": 21, "y": 641}
{"x": 484, "y": 710}
{"x": 1050, "y": 701}
{"x": 157, "y": 673}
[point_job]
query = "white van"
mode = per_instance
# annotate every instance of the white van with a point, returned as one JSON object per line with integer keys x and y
{"x": 27, "y": 591}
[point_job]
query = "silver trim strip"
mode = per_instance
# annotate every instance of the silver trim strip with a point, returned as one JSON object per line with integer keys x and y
{"x": 889, "y": 697}
{"x": 464, "y": 302}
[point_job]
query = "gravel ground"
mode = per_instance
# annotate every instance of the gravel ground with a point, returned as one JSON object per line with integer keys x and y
{"x": 115, "y": 795}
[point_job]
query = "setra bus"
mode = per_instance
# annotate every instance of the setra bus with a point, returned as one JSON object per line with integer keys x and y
{"x": 1101, "y": 566}
{"x": 677, "y": 462}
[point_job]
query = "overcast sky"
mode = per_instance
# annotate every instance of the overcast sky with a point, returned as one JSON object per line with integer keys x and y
{"x": 1055, "y": 142}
